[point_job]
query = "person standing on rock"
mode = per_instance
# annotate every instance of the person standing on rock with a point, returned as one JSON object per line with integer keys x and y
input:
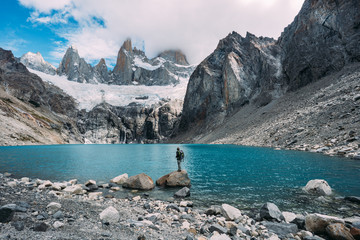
{"x": 179, "y": 158}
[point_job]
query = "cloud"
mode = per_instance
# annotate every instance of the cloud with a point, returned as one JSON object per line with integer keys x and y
{"x": 45, "y": 6}
{"x": 194, "y": 26}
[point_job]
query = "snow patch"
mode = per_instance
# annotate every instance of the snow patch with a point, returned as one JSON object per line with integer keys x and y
{"x": 90, "y": 95}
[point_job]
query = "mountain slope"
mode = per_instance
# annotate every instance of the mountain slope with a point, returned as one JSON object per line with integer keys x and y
{"x": 246, "y": 78}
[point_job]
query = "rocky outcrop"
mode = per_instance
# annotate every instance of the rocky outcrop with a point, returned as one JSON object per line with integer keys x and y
{"x": 133, "y": 67}
{"x": 101, "y": 72}
{"x": 174, "y": 56}
{"x": 240, "y": 70}
{"x": 322, "y": 39}
{"x": 76, "y": 68}
{"x": 37, "y": 62}
{"x": 175, "y": 179}
{"x": 134, "y": 123}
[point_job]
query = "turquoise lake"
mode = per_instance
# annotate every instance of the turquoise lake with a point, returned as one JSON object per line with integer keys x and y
{"x": 246, "y": 177}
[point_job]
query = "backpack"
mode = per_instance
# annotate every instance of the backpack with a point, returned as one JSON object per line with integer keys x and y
{"x": 182, "y": 155}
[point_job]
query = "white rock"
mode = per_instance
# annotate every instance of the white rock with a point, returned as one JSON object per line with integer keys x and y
{"x": 317, "y": 223}
{"x": 318, "y": 186}
{"x": 115, "y": 188}
{"x": 25, "y": 179}
{"x": 12, "y": 184}
{"x": 274, "y": 237}
{"x": 230, "y": 212}
{"x": 90, "y": 182}
{"x": 56, "y": 187}
{"x": 75, "y": 189}
{"x": 137, "y": 198}
{"x": 53, "y": 206}
{"x": 120, "y": 179}
{"x": 219, "y": 237}
{"x": 185, "y": 225}
{"x": 73, "y": 181}
{"x": 58, "y": 224}
{"x": 95, "y": 195}
{"x": 47, "y": 183}
{"x": 289, "y": 216}
{"x": 110, "y": 215}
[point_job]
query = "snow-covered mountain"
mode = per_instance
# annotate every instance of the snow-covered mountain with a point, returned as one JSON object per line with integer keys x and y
{"x": 132, "y": 67}
{"x": 36, "y": 61}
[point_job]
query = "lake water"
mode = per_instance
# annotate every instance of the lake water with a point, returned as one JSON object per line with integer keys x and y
{"x": 246, "y": 177}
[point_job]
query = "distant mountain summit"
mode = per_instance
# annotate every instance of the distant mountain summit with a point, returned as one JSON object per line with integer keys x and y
{"x": 132, "y": 67}
{"x": 36, "y": 61}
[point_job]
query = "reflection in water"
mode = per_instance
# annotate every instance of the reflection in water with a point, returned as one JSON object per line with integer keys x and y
{"x": 243, "y": 176}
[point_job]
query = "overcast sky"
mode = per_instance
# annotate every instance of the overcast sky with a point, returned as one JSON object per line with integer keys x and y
{"x": 98, "y": 28}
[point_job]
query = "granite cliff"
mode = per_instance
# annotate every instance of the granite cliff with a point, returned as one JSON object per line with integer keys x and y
{"x": 232, "y": 92}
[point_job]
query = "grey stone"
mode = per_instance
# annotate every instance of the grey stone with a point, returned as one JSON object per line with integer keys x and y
{"x": 281, "y": 229}
{"x": 6, "y": 213}
{"x": 173, "y": 206}
{"x": 313, "y": 238}
{"x": 18, "y": 225}
{"x": 218, "y": 228}
{"x": 58, "y": 215}
{"x": 270, "y": 211}
{"x": 318, "y": 186}
{"x": 353, "y": 199}
{"x": 213, "y": 210}
{"x": 182, "y": 193}
{"x": 140, "y": 181}
{"x": 41, "y": 227}
{"x": 339, "y": 231}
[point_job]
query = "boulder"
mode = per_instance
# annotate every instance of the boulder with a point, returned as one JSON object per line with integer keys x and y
{"x": 318, "y": 186}
{"x": 12, "y": 184}
{"x": 41, "y": 227}
{"x": 317, "y": 223}
{"x": 182, "y": 193}
{"x": 6, "y": 214}
{"x": 58, "y": 224}
{"x": 281, "y": 229}
{"x": 140, "y": 181}
{"x": 120, "y": 179}
{"x": 217, "y": 228}
{"x": 53, "y": 206}
{"x": 18, "y": 225}
{"x": 74, "y": 189}
{"x": 25, "y": 180}
{"x": 353, "y": 199}
{"x": 90, "y": 182}
{"x": 219, "y": 237}
{"x": 229, "y": 212}
{"x": 110, "y": 215}
{"x": 175, "y": 179}
{"x": 289, "y": 216}
{"x": 338, "y": 231}
{"x": 270, "y": 211}
{"x": 95, "y": 195}
{"x": 355, "y": 232}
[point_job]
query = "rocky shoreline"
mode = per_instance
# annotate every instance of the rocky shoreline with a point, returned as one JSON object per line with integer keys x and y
{"x": 38, "y": 209}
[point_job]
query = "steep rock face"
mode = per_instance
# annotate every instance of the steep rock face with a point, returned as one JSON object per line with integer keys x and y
{"x": 175, "y": 56}
{"x": 101, "y": 72}
{"x": 134, "y": 123}
{"x": 37, "y": 62}
{"x": 123, "y": 68}
{"x": 133, "y": 67}
{"x": 323, "y": 38}
{"x": 238, "y": 71}
{"x": 20, "y": 83}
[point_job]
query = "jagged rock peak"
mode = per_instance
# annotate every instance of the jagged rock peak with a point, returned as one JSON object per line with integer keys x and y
{"x": 175, "y": 56}
{"x": 127, "y": 45}
{"x": 101, "y": 63}
{"x": 36, "y": 61}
